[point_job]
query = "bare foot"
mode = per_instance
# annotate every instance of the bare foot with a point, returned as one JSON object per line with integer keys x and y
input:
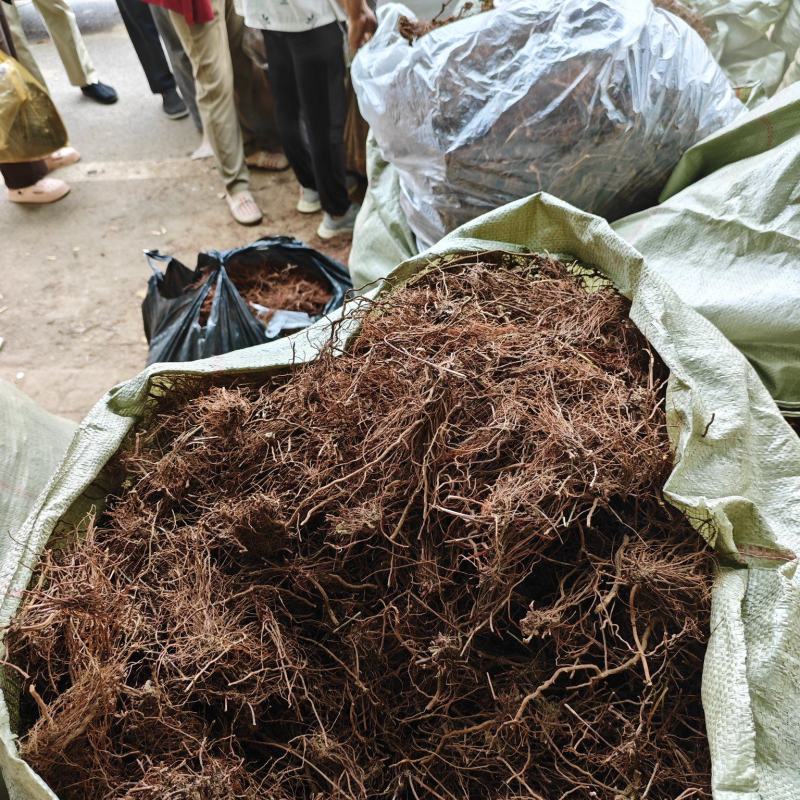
{"x": 244, "y": 208}
{"x": 203, "y": 151}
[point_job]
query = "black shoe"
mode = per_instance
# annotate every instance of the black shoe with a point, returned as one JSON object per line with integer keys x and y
{"x": 174, "y": 107}
{"x": 100, "y": 93}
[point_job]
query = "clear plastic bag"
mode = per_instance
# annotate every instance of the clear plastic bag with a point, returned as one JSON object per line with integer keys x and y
{"x": 30, "y": 126}
{"x": 591, "y": 100}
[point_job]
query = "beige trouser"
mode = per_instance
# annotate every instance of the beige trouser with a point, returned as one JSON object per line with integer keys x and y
{"x": 222, "y": 72}
{"x": 24, "y": 55}
{"x": 60, "y": 21}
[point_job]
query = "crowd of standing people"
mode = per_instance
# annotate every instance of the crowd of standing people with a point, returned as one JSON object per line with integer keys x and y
{"x": 193, "y": 55}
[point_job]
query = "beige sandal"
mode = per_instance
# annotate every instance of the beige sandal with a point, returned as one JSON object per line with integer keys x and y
{"x": 62, "y": 157}
{"x": 244, "y": 208}
{"x": 47, "y": 190}
{"x": 263, "y": 159}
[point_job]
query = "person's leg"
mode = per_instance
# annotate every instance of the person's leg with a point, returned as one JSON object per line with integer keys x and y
{"x": 23, "y": 52}
{"x": 60, "y": 21}
{"x": 251, "y": 117}
{"x": 207, "y": 48}
{"x": 283, "y": 80}
{"x": 318, "y": 59}
{"x": 27, "y": 183}
{"x": 18, "y": 176}
{"x": 143, "y": 34}
{"x": 181, "y": 66}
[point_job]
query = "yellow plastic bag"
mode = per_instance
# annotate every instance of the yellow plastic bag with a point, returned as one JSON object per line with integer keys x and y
{"x": 30, "y": 125}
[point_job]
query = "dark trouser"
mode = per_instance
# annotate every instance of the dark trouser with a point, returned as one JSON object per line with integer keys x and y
{"x": 144, "y": 36}
{"x": 307, "y": 73}
{"x": 179, "y": 61}
{"x": 18, "y": 176}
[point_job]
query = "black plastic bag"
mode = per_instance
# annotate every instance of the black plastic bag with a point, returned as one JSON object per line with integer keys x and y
{"x": 171, "y": 310}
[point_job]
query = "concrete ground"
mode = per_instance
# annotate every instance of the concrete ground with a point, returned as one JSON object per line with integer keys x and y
{"x": 72, "y": 275}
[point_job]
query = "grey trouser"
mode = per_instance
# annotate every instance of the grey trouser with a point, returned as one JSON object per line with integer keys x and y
{"x": 181, "y": 66}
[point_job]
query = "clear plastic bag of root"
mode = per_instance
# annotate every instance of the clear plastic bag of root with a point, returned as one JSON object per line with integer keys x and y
{"x": 30, "y": 125}
{"x": 593, "y": 101}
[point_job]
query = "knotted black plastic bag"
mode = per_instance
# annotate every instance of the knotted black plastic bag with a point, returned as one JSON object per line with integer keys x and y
{"x": 172, "y": 308}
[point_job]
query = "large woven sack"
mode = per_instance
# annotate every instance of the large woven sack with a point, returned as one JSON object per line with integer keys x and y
{"x": 738, "y": 478}
{"x": 726, "y": 236}
{"x": 32, "y": 442}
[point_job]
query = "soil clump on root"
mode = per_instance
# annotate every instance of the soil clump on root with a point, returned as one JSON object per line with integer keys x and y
{"x": 436, "y": 565}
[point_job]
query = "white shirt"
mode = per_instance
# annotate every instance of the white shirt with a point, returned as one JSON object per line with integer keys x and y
{"x": 289, "y": 16}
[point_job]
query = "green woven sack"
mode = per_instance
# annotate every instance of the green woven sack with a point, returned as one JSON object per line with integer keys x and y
{"x": 741, "y": 475}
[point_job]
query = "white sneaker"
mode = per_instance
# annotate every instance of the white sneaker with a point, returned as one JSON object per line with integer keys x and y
{"x": 309, "y": 201}
{"x": 331, "y": 227}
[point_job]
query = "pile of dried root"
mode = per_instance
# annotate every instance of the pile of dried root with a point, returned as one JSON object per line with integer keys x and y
{"x": 413, "y": 29}
{"x": 436, "y": 566}
{"x": 593, "y": 103}
{"x": 689, "y": 15}
{"x": 272, "y": 285}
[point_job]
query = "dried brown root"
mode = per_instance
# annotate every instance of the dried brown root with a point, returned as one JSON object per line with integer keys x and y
{"x": 691, "y": 17}
{"x": 274, "y": 286}
{"x": 437, "y": 565}
{"x": 411, "y": 30}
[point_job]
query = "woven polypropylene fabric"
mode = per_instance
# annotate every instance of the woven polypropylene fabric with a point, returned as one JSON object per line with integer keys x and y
{"x": 727, "y": 238}
{"x": 737, "y": 474}
{"x": 32, "y": 443}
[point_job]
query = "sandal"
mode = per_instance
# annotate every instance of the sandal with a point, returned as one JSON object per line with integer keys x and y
{"x": 47, "y": 190}
{"x": 263, "y": 159}
{"x": 244, "y": 208}
{"x": 62, "y": 157}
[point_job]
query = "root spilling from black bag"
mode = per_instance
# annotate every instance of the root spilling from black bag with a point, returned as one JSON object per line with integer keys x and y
{"x": 238, "y": 298}
{"x": 271, "y": 286}
{"x": 438, "y": 565}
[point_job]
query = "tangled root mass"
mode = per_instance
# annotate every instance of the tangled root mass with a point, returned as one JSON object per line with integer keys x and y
{"x": 437, "y": 565}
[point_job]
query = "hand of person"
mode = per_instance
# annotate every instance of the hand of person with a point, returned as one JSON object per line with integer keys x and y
{"x": 361, "y": 26}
